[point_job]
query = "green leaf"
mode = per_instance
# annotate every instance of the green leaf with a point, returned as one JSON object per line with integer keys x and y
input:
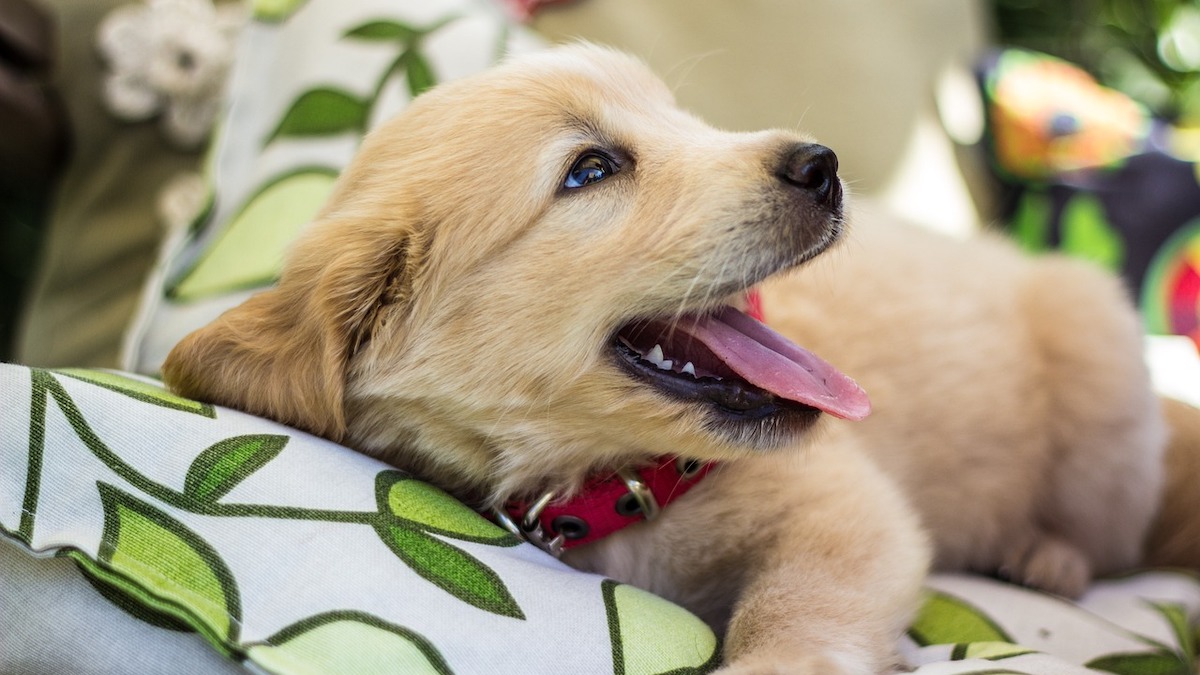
{"x": 420, "y": 75}
{"x": 431, "y": 509}
{"x": 1175, "y": 614}
{"x": 451, "y": 569}
{"x": 322, "y": 112}
{"x": 383, "y": 30}
{"x": 41, "y": 385}
{"x": 348, "y": 642}
{"x": 275, "y": 10}
{"x": 1151, "y": 663}
{"x": 226, "y": 463}
{"x": 249, "y": 253}
{"x": 138, "y": 389}
{"x": 944, "y": 619}
{"x": 650, "y": 635}
{"x": 170, "y": 563}
{"x": 126, "y": 596}
{"x": 1087, "y": 234}
{"x": 992, "y": 651}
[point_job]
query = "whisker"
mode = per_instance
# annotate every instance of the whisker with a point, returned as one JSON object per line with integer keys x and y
{"x": 679, "y": 79}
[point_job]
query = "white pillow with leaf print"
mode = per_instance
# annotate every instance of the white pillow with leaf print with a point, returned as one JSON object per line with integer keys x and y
{"x": 290, "y": 553}
{"x": 310, "y": 78}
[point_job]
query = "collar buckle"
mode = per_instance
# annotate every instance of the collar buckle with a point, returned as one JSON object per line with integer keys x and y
{"x": 647, "y": 505}
{"x": 529, "y": 527}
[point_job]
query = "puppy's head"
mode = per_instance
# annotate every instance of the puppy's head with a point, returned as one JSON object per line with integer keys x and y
{"x": 528, "y": 275}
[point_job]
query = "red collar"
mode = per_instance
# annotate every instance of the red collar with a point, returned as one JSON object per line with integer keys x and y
{"x": 609, "y": 503}
{"x": 754, "y": 304}
{"x": 603, "y": 506}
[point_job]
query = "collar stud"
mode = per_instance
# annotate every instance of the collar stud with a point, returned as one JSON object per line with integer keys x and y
{"x": 570, "y": 527}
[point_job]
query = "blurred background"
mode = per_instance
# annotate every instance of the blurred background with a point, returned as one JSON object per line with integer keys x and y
{"x": 1148, "y": 49}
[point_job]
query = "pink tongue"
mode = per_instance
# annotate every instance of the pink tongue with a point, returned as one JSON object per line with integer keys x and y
{"x": 769, "y": 361}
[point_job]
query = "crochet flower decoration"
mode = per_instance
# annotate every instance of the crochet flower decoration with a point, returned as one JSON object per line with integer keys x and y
{"x": 170, "y": 57}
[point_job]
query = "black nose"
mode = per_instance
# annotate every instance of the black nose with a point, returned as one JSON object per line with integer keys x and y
{"x": 813, "y": 168}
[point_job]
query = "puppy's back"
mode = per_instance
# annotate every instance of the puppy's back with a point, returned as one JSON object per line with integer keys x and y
{"x": 1009, "y": 393}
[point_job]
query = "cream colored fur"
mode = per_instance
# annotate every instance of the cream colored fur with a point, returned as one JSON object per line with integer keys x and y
{"x": 451, "y": 311}
{"x": 1175, "y": 538}
{"x": 1010, "y": 399}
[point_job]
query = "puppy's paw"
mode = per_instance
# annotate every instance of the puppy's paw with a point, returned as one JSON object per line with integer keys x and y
{"x": 1052, "y": 565}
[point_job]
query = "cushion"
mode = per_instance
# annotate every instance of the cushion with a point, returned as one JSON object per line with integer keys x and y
{"x": 138, "y": 528}
{"x": 286, "y": 551}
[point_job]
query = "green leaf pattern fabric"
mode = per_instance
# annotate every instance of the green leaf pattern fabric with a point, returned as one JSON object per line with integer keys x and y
{"x": 350, "y": 642}
{"x": 645, "y": 638}
{"x": 223, "y": 465}
{"x": 1139, "y": 624}
{"x": 248, "y": 253}
{"x": 289, "y": 552}
{"x": 143, "y": 544}
{"x": 294, "y": 555}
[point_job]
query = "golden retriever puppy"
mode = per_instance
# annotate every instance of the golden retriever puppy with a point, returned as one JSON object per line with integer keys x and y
{"x": 532, "y": 277}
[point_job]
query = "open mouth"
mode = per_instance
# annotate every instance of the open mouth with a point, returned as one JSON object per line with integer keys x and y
{"x": 738, "y": 366}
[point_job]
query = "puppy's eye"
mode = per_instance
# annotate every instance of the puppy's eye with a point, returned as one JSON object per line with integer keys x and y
{"x": 590, "y": 168}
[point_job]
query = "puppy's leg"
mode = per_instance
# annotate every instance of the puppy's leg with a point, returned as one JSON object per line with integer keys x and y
{"x": 839, "y": 584}
{"x": 810, "y": 563}
{"x": 1105, "y": 425}
{"x": 1048, "y": 562}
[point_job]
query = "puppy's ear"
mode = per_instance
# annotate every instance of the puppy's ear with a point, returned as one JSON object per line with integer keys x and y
{"x": 283, "y": 353}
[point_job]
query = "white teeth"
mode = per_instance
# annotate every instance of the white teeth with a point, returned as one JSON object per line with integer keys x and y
{"x": 655, "y": 356}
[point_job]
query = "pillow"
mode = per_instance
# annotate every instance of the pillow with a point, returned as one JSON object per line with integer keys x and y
{"x": 133, "y": 521}
{"x": 286, "y": 551}
{"x": 310, "y": 78}
{"x": 1142, "y": 624}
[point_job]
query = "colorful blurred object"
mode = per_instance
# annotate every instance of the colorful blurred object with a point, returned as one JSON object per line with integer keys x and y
{"x": 1050, "y": 117}
{"x": 1171, "y": 292}
{"x": 1148, "y": 50}
{"x": 1089, "y": 172}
